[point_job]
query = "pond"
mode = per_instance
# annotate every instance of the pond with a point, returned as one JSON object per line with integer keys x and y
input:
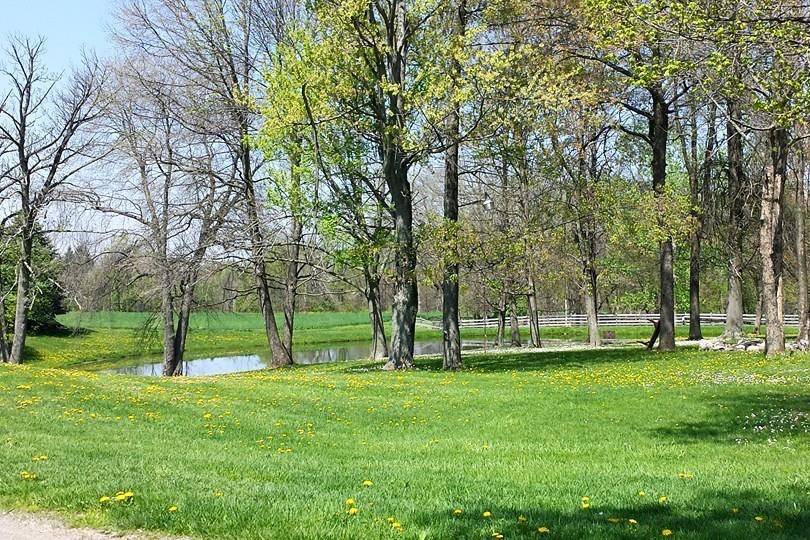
{"x": 220, "y": 365}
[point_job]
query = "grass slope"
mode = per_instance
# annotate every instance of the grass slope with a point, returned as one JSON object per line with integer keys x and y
{"x": 706, "y": 445}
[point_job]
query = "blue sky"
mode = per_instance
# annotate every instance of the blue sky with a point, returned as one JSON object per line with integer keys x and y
{"x": 67, "y": 25}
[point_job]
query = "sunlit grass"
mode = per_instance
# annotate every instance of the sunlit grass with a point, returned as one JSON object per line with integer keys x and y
{"x": 706, "y": 445}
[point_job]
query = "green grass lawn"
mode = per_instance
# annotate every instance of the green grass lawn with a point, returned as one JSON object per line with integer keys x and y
{"x": 706, "y": 445}
{"x": 111, "y": 339}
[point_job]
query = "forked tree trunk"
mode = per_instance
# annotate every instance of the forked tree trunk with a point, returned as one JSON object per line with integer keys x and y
{"x": 771, "y": 241}
{"x": 659, "y": 132}
{"x": 736, "y": 230}
{"x": 699, "y": 191}
{"x": 379, "y": 344}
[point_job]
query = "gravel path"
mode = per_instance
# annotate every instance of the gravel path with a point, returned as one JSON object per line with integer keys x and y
{"x": 23, "y": 526}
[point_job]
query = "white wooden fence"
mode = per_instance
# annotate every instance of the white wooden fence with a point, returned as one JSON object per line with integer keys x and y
{"x": 605, "y": 319}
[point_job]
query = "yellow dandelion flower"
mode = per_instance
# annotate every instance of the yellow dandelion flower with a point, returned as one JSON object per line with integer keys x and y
{"x": 172, "y": 509}
{"x": 735, "y": 510}
{"x": 642, "y": 493}
{"x": 543, "y": 530}
{"x": 367, "y": 483}
{"x": 349, "y": 502}
{"x": 458, "y": 512}
{"x": 391, "y": 520}
{"x": 632, "y": 521}
{"x": 104, "y": 499}
{"x": 352, "y": 511}
{"x": 663, "y": 499}
{"x": 666, "y": 532}
{"x": 586, "y": 502}
{"x": 759, "y": 519}
{"x": 522, "y": 519}
{"x": 487, "y": 514}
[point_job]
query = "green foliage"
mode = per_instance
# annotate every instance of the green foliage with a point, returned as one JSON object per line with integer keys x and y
{"x": 48, "y": 297}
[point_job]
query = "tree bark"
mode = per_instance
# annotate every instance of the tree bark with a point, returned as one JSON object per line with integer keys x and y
{"x": 406, "y": 294}
{"x": 379, "y": 344}
{"x": 771, "y": 241}
{"x": 736, "y": 230}
{"x": 500, "y": 338}
{"x": 294, "y": 252}
{"x": 659, "y": 132}
{"x": 515, "y": 326}
{"x": 803, "y": 306}
{"x": 592, "y": 309}
{"x": 451, "y": 350}
{"x": 281, "y": 356}
{"x": 23, "y": 291}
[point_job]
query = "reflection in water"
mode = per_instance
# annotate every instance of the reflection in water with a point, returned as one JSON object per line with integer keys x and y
{"x": 252, "y": 362}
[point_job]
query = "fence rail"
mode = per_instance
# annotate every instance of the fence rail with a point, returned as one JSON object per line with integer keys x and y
{"x": 606, "y": 319}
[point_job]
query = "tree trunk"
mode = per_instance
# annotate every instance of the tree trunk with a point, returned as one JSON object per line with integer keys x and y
{"x": 23, "y": 290}
{"x": 659, "y": 131}
{"x": 736, "y": 230}
{"x": 500, "y": 338}
{"x": 451, "y": 358}
{"x": 803, "y": 306}
{"x": 771, "y": 241}
{"x": 592, "y": 308}
{"x": 379, "y": 344}
{"x": 515, "y": 326}
{"x": 296, "y": 236}
{"x": 281, "y": 356}
{"x": 406, "y": 293}
{"x": 291, "y": 283}
{"x": 4, "y": 351}
{"x": 170, "y": 367}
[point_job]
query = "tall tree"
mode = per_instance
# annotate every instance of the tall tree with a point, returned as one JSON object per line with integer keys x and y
{"x": 44, "y": 123}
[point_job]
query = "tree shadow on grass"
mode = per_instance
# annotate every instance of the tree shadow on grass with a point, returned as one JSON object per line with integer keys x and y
{"x": 711, "y": 515}
{"x": 538, "y": 360}
{"x": 750, "y": 417}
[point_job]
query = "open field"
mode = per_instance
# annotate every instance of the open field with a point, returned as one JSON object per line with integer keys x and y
{"x": 706, "y": 445}
{"x": 112, "y": 339}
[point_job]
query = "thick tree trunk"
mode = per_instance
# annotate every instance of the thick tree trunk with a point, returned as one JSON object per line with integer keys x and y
{"x": 803, "y": 306}
{"x": 451, "y": 350}
{"x": 515, "y": 326}
{"x": 406, "y": 292}
{"x": 736, "y": 232}
{"x": 659, "y": 132}
{"x": 451, "y": 358}
{"x": 592, "y": 309}
{"x": 771, "y": 241}
{"x": 23, "y": 291}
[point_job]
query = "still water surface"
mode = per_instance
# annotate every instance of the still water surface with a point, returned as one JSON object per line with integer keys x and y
{"x": 221, "y": 365}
